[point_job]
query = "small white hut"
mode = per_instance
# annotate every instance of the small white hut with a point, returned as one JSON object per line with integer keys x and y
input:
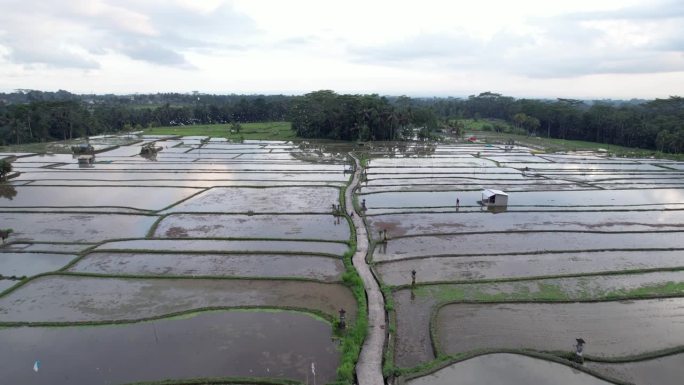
{"x": 494, "y": 198}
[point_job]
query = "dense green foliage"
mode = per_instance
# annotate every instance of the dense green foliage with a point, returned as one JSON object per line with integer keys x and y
{"x": 325, "y": 114}
{"x": 33, "y": 116}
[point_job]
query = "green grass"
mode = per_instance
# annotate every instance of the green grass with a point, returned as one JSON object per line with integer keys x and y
{"x": 254, "y": 131}
{"x": 557, "y": 145}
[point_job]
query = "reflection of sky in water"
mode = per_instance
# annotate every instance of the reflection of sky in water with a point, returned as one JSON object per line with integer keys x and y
{"x": 510, "y": 369}
{"x": 146, "y": 198}
{"x": 532, "y": 198}
{"x": 585, "y": 166}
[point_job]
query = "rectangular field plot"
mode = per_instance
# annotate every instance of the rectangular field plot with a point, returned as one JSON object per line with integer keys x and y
{"x": 143, "y": 198}
{"x": 141, "y": 178}
{"x": 221, "y": 246}
{"x": 58, "y": 227}
{"x": 464, "y": 222}
{"x": 211, "y": 344}
{"x": 315, "y": 227}
{"x": 74, "y": 299}
{"x": 28, "y": 264}
{"x": 612, "y": 329}
{"x": 512, "y": 243}
{"x": 471, "y": 268}
{"x": 230, "y": 265}
{"x": 263, "y": 200}
{"x": 618, "y": 198}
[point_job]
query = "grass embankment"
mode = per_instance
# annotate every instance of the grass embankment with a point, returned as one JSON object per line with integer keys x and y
{"x": 253, "y": 131}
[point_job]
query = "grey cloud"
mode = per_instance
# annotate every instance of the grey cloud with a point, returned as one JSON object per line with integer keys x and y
{"x": 156, "y": 54}
{"x": 564, "y": 47}
{"x": 52, "y": 57}
{"x": 422, "y": 47}
{"x": 156, "y": 32}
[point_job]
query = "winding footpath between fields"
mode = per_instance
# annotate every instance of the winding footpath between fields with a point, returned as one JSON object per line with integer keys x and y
{"x": 369, "y": 366}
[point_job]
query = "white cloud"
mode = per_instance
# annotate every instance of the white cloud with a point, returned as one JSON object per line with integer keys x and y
{"x": 432, "y": 47}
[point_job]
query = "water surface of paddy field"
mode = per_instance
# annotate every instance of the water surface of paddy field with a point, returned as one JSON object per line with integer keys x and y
{"x": 507, "y": 369}
{"x": 532, "y": 198}
{"x": 74, "y": 227}
{"x": 211, "y": 344}
{"x": 230, "y": 265}
{"x": 525, "y": 242}
{"x": 220, "y": 246}
{"x": 467, "y": 268}
{"x": 144, "y": 198}
{"x": 320, "y": 227}
{"x": 414, "y": 307}
{"x": 210, "y": 167}
{"x": 612, "y": 329}
{"x": 109, "y": 299}
{"x": 668, "y": 370}
{"x": 68, "y": 248}
{"x": 28, "y": 264}
{"x": 263, "y": 200}
{"x": 140, "y": 178}
{"x": 463, "y": 222}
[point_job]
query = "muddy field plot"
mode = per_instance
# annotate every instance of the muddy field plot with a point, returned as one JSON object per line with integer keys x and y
{"x": 28, "y": 264}
{"x": 86, "y": 227}
{"x": 467, "y": 222}
{"x": 473, "y": 268}
{"x": 210, "y": 344}
{"x": 229, "y": 265}
{"x": 319, "y": 227}
{"x": 667, "y": 370}
{"x": 263, "y": 200}
{"x": 600, "y": 198}
{"x": 222, "y": 247}
{"x": 525, "y": 242}
{"x": 510, "y": 369}
{"x": 414, "y": 307}
{"x": 141, "y": 198}
{"x": 109, "y": 299}
{"x": 613, "y": 329}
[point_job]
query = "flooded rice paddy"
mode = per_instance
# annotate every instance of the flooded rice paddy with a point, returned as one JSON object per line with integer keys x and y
{"x": 263, "y": 200}
{"x": 611, "y": 329}
{"x": 324, "y": 226}
{"x": 229, "y": 265}
{"x": 219, "y": 246}
{"x": 28, "y": 264}
{"x": 84, "y": 227}
{"x": 669, "y": 370}
{"x": 110, "y": 220}
{"x": 210, "y": 344}
{"x": 101, "y": 299}
{"x": 507, "y": 369}
{"x": 511, "y": 266}
{"x": 577, "y": 227}
{"x": 525, "y": 242}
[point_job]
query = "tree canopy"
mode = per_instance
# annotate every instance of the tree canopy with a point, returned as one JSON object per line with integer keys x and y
{"x": 32, "y": 116}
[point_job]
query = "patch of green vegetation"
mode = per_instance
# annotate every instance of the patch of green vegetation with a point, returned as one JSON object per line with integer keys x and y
{"x": 663, "y": 289}
{"x": 552, "y": 145}
{"x": 253, "y": 131}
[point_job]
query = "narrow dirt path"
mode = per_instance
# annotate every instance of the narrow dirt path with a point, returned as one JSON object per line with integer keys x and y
{"x": 369, "y": 366}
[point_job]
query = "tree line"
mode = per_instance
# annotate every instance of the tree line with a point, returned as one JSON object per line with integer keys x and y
{"x": 31, "y": 116}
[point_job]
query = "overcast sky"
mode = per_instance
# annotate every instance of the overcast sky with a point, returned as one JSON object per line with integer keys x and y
{"x": 524, "y": 48}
